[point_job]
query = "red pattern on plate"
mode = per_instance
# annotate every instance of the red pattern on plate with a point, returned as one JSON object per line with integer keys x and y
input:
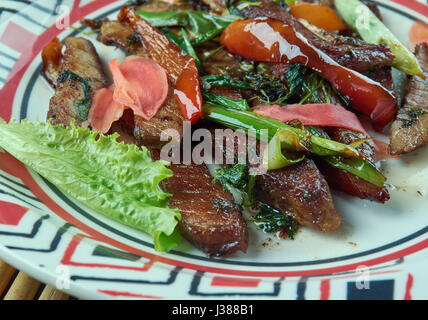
{"x": 234, "y": 282}
{"x": 11, "y": 213}
{"x": 128, "y": 294}
{"x": 414, "y": 5}
{"x": 72, "y": 246}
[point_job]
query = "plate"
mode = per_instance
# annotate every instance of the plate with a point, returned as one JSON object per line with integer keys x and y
{"x": 380, "y": 251}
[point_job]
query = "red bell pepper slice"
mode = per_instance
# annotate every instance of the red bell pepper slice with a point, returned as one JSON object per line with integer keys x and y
{"x": 269, "y": 40}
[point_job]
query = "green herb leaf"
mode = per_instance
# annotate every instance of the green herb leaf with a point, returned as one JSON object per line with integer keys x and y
{"x": 238, "y": 177}
{"x": 246, "y": 120}
{"x": 240, "y": 104}
{"x": 82, "y": 106}
{"x": 202, "y": 26}
{"x": 214, "y": 81}
{"x": 269, "y": 88}
{"x": 117, "y": 180}
{"x": 275, "y": 158}
{"x": 271, "y": 220}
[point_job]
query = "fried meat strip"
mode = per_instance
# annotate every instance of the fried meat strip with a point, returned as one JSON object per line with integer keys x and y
{"x": 299, "y": 190}
{"x": 337, "y": 178}
{"x": 210, "y": 219}
{"x": 410, "y": 130}
{"x": 81, "y": 61}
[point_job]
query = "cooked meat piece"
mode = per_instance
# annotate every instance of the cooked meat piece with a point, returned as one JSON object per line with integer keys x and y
{"x": 347, "y": 182}
{"x": 174, "y": 61}
{"x": 227, "y": 92}
{"x": 210, "y": 219}
{"x": 301, "y": 191}
{"x": 94, "y": 24}
{"x": 145, "y": 40}
{"x": 168, "y": 55}
{"x": 220, "y": 62}
{"x": 338, "y": 178}
{"x": 410, "y": 130}
{"x": 70, "y": 101}
{"x": 154, "y": 6}
{"x": 350, "y": 52}
{"x": 217, "y": 6}
{"x": 122, "y": 36}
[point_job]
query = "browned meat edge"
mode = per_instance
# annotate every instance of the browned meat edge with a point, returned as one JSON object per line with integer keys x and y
{"x": 299, "y": 190}
{"x": 210, "y": 219}
{"x": 169, "y": 116}
{"x": 410, "y": 130}
{"x": 81, "y": 58}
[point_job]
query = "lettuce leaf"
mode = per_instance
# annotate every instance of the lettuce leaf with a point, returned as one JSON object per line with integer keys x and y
{"x": 115, "y": 179}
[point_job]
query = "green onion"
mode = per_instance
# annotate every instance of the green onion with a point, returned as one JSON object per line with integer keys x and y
{"x": 363, "y": 169}
{"x": 336, "y": 154}
{"x": 271, "y": 220}
{"x": 372, "y": 30}
{"x": 274, "y": 157}
{"x": 240, "y": 104}
{"x": 189, "y": 48}
{"x": 250, "y": 121}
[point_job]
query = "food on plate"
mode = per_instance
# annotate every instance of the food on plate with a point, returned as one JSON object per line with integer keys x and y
{"x": 210, "y": 218}
{"x": 76, "y": 75}
{"x": 410, "y": 130}
{"x": 229, "y": 113}
{"x": 372, "y": 30}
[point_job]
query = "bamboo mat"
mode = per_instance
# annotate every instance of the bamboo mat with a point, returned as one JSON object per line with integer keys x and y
{"x": 16, "y": 285}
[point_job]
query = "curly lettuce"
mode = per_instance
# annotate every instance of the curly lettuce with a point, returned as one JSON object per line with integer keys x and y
{"x": 115, "y": 179}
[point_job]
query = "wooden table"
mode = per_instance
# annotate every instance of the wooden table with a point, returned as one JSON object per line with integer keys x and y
{"x": 16, "y": 285}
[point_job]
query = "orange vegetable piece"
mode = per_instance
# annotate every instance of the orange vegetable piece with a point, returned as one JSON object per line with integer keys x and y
{"x": 321, "y": 16}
